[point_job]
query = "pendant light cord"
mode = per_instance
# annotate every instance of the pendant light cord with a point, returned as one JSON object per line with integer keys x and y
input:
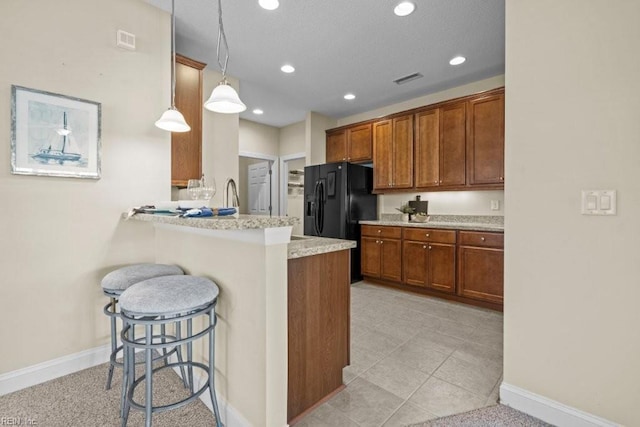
{"x": 222, "y": 37}
{"x": 173, "y": 54}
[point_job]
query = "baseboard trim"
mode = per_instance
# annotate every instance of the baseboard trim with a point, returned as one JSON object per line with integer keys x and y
{"x": 229, "y": 415}
{"x": 548, "y": 410}
{"x": 51, "y": 369}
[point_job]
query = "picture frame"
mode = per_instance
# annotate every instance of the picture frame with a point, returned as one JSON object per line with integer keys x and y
{"x": 54, "y": 135}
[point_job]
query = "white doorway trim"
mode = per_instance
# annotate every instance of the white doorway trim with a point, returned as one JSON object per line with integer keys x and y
{"x": 275, "y": 177}
{"x": 284, "y": 174}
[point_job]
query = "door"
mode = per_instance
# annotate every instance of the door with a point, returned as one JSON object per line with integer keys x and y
{"x": 414, "y": 256}
{"x": 370, "y": 254}
{"x": 382, "y": 154}
{"x": 336, "y": 150}
{"x": 485, "y": 145}
{"x": 402, "y": 171}
{"x": 453, "y": 144}
{"x": 428, "y": 148}
{"x": 259, "y": 188}
{"x": 442, "y": 267}
{"x": 332, "y": 207}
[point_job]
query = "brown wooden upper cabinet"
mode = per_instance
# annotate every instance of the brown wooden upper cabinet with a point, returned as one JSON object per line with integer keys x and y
{"x": 393, "y": 153}
{"x": 353, "y": 144}
{"x": 440, "y": 146}
{"x": 186, "y": 147}
{"x": 485, "y": 140}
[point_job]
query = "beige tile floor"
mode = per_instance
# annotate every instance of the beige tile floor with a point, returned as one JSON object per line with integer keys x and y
{"x": 413, "y": 358}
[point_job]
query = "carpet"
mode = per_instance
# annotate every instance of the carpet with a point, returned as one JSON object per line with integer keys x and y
{"x": 80, "y": 399}
{"x": 491, "y": 416}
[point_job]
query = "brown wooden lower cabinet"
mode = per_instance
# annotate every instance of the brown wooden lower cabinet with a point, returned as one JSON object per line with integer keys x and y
{"x": 481, "y": 266}
{"x": 381, "y": 252}
{"x": 430, "y": 265}
{"x": 465, "y": 266}
{"x": 318, "y": 322}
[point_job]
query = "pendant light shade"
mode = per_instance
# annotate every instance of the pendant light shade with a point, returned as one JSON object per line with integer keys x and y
{"x": 172, "y": 120}
{"x": 224, "y": 99}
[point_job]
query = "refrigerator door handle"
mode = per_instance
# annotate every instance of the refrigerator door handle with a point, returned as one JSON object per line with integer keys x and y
{"x": 321, "y": 202}
{"x": 316, "y": 202}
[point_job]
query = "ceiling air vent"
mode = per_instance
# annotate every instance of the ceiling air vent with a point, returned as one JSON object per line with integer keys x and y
{"x": 406, "y": 79}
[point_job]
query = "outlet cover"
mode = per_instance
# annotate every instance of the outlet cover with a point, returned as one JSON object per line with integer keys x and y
{"x": 495, "y": 205}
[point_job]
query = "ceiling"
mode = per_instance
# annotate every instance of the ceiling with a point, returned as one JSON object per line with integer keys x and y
{"x": 341, "y": 46}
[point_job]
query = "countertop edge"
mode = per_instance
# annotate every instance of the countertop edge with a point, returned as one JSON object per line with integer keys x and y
{"x": 242, "y": 222}
{"x": 444, "y": 225}
{"x": 316, "y": 246}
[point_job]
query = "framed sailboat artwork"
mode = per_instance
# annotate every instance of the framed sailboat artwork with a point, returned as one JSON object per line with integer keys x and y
{"x": 54, "y": 135}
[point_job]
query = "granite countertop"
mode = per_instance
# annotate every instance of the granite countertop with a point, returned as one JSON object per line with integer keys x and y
{"x": 301, "y": 246}
{"x": 455, "y": 222}
{"x": 239, "y": 222}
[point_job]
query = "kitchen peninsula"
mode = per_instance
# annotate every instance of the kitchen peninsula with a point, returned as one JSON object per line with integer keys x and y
{"x": 267, "y": 369}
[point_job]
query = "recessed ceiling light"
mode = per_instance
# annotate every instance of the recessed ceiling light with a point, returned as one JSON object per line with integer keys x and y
{"x": 287, "y": 69}
{"x": 457, "y": 60}
{"x": 269, "y": 4}
{"x": 405, "y": 8}
{"x": 349, "y": 96}
{"x": 258, "y": 111}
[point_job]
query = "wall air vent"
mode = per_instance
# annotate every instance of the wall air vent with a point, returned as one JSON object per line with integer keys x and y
{"x": 406, "y": 79}
{"x": 126, "y": 40}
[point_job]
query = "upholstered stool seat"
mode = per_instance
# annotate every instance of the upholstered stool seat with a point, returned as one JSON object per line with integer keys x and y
{"x": 116, "y": 282}
{"x": 160, "y": 301}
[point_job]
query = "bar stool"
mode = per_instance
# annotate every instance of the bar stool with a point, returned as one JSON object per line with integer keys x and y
{"x": 116, "y": 282}
{"x": 160, "y": 301}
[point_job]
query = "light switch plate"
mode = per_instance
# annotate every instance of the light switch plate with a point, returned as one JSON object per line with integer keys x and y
{"x": 598, "y": 202}
{"x": 495, "y": 205}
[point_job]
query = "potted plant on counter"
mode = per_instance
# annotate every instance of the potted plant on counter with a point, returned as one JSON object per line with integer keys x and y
{"x": 406, "y": 212}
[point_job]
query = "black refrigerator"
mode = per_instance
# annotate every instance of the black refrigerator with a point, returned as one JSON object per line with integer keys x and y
{"x": 337, "y": 196}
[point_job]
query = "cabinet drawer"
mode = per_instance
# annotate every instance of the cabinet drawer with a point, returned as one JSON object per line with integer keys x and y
{"x": 477, "y": 238}
{"x": 382, "y": 231}
{"x": 429, "y": 235}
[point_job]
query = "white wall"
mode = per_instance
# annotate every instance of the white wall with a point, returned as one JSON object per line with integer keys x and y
{"x": 572, "y": 281}
{"x": 292, "y": 139}
{"x": 61, "y": 235}
{"x": 220, "y": 134}
{"x": 316, "y": 137}
{"x": 259, "y": 138}
{"x": 447, "y": 202}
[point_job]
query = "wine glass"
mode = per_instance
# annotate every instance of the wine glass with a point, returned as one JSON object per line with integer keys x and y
{"x": 208, "y": 189}
{"x": 194, "y": 188}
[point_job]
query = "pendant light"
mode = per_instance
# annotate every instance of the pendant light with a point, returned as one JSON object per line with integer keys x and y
{"x": 172, "y": 120}
{"x": 224, "y": 98}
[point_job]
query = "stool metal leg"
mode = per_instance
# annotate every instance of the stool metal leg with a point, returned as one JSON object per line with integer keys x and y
{"x": 114, "y": 342}
{"x": 179, "y": 352}
{"x": 163, "y": 334}
{"x": 190, "y": 353}
{"x": 148, "y": 402}
{"x": 129, "y": 376}
{"x": 212, "y": 363}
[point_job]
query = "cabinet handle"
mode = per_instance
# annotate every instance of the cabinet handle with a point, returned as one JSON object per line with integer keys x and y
{"x": 482, "y": 238}
{"x": 379, "y": 231}
{"x": 501, "y": 178}
{"x": 435, "y": 182}
{"x": 377, "y": 241}
{"x": 440, "y": 181}
{"x": 429, "y": 247}
{"x": 427, "y": 234}
{"x": 424, "y": 246}
{"x": 344, "y": 158}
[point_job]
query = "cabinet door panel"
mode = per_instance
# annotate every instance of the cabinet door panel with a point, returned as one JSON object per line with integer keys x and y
{"x": 186, "y": 147}
{"x": 403, "y": 152}
{"x": 382, "y": 154}
{"x": 442, "y": 267}
{"x": 427, "y": 142}
{"x": 336, "y": 150}
{"x": 414, "y": 270}
{"x": 485, "y": 145}
{"x": 370, "y": 257}
{"x": 391, "y": 260}
{"x": 359, "y": 143}
{"x": 481, "y": 273}
{"x": 453, "y": 144}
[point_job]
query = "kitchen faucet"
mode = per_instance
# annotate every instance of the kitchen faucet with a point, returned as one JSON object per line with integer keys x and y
{"x": 235, "y": 200}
